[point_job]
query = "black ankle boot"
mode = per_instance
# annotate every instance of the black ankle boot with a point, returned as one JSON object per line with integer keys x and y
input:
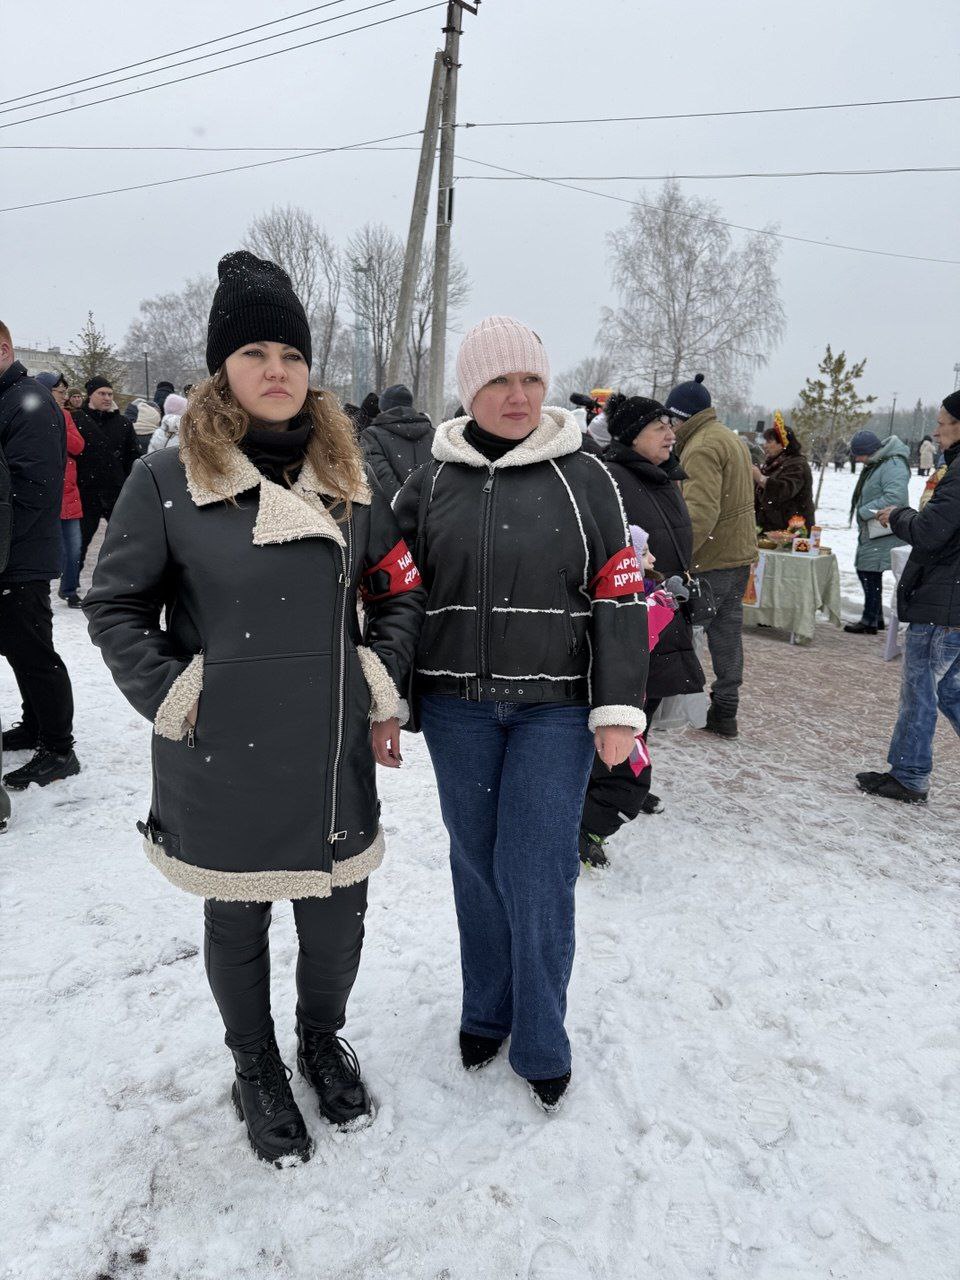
{"x": 548, "y": 1094}
{"x": 20, "y": 738}
{"x": 262, "y": 1098}
{"x": 477, "y": 1051}
{"x": 330, "y": 1065}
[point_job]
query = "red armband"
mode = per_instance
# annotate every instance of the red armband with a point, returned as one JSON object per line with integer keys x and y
{"x": 391, "y": 576}
{"x": 620, "y": 576}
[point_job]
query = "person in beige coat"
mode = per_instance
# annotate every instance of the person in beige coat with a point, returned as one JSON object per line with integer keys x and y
{"x": 718, "y": 492}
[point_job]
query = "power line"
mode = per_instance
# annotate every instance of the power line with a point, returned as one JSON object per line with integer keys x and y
{"x": 664, "y": 177}
{"x": 201, "y": 57}
{"x": 196, "y": 75}
{"x": 192, "y": 177}
{"x": 707, "y": 115}
{"x": 172, "y": 54}
{"x": 735, "y": 226}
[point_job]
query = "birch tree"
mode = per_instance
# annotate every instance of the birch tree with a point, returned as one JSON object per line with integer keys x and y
{"x": 689, "y": 300}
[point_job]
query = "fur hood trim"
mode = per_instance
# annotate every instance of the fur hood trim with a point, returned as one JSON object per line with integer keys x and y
{"x": 266, "y": 886}
{"x": 284, "y": 515}
{"x": 557, "y": 435}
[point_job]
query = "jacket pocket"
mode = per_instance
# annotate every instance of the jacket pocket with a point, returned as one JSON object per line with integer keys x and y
{"x": 171, "y": 718}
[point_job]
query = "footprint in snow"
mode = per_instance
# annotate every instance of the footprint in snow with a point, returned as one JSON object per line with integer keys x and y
{"x": 692, "y": 1230}
{"x": 553, "y": 1260}
{"x": 767, "y": 1120}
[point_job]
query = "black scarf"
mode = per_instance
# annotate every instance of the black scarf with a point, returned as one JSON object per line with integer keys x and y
{"x": 277, "y": 454}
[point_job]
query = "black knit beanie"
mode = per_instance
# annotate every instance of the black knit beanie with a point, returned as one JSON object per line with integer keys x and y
{"x": 254, "y": 302}
{"x": 952, "y": 404}
{"x": 628, "y": 415}
{"x": 94, "y": 384}
{"x": 688, "y": 398}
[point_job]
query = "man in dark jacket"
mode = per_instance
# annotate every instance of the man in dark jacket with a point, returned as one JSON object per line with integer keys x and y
{"x": 928, "y": 598}
{"x": 397, "y": 441}
{"x": 34, "y": 443}
{"x": 111, "y": 450}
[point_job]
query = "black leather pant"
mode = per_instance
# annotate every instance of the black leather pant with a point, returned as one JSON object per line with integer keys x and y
{"x": 236, "y": 953}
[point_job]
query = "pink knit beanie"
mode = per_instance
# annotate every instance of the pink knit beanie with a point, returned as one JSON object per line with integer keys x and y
{"x": 496, "y": 346}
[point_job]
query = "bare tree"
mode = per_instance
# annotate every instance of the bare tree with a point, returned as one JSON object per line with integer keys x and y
{"x": 593, "y": 371}
{"x": 417, "y": 362}
{"x": 172, "y": 328}
{"x": 689, "y": 300}
{"x": 376, "y": 260}
{"x": 290, "y": 236}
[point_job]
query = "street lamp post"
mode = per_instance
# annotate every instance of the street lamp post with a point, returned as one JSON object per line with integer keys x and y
{"x": 146, "y": 374}
{"x": 892, "y": 412}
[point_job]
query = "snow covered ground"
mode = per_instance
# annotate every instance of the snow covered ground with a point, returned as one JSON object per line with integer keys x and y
{"x": 764, "y": 1014}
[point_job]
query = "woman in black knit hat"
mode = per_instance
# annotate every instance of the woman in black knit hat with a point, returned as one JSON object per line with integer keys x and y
{"x": 259, "y": 536}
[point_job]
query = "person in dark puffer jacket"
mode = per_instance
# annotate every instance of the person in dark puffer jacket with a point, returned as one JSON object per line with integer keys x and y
{"x": 533, "y": 656}
{"x": 398, "y": 440}
{"x": 641, "y": 461}
{"x": 928, "y": 598}
{"x": 259, "y": 537}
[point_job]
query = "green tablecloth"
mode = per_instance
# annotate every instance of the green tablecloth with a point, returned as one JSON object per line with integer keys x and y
{"x": 793, "y": 590}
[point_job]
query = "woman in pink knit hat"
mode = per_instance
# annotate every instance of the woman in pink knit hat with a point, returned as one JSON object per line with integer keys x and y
{"x": 533, "y": 656}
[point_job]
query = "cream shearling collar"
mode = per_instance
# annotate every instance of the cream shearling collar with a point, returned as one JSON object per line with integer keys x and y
{"x": 557, "y": 435}
{"x": 284, "y": 515}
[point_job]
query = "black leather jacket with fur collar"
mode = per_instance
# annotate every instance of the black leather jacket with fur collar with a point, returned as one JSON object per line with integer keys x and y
{"x": 531, "y": 576}
{"x": 273, "y": 794}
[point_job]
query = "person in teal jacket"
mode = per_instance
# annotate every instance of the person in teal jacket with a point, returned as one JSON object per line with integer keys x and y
{"x": 883, "y": 482}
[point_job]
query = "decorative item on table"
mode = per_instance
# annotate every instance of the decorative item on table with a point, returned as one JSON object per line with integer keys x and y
{"x": 781, "y": 539}
{"x": 800, "y": 543}
{"x": 815, "y": 534}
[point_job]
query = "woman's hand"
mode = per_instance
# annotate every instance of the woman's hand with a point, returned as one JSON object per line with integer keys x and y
{"x": 192, "y": 714}
{"x": 884, "y": 516}
{"x": 614, "y": 742}
{"x": 758, "y": 477}
{"x": 385, "y": 740}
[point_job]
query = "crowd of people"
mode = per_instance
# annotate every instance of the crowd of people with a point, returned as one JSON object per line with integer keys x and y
{"x": 283, "y": 587}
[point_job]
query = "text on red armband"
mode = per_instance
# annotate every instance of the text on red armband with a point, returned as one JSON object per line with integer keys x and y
{"x": 391, "y": 576}
{"x": 620, "y": 576}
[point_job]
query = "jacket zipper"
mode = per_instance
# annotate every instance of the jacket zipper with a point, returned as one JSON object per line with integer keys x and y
{"x": 346, "y": 560}
{"x": 192, "y": 728}
{"x": 483, "y": 602}
{"x": 572, "y": 645}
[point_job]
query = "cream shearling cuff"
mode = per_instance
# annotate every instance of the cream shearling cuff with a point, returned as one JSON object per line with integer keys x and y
{"x": 496, "y": 346}
{"x": 384, "y": 698}
{"x": 627, "y": 717}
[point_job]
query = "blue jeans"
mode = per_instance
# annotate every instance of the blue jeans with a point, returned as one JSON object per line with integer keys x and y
{"x": 931, "y": 678}
{"x": 512, "y": 779}
{"x": 70, "y": 542}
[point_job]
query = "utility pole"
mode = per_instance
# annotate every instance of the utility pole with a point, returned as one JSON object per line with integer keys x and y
{"x": 892, "y": 412}
{"x": 441, "y": 260}
{"x": 146, "y": 374}
{"x": 418, "y": 221}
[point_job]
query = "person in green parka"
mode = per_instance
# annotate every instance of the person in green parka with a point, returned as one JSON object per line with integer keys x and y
{"x": 883, "y": 482}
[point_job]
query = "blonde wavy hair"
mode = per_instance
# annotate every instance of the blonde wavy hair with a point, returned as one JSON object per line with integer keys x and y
{"x": 213, "y": 421}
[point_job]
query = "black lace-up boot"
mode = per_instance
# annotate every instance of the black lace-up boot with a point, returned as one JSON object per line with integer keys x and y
{"x": 330, "y": 1065}
{"x": 263, "y": 1100}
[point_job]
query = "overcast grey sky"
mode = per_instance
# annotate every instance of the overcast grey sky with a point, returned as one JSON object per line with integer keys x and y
{"x": 532, "y": 250}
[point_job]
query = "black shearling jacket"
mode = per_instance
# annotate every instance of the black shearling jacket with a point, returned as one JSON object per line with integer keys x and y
{"x": 273, "y": 794}
{"x": 531, "y": 577}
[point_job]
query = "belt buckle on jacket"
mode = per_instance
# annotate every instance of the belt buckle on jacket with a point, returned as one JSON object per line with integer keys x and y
{"x": 470, "y": 686}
